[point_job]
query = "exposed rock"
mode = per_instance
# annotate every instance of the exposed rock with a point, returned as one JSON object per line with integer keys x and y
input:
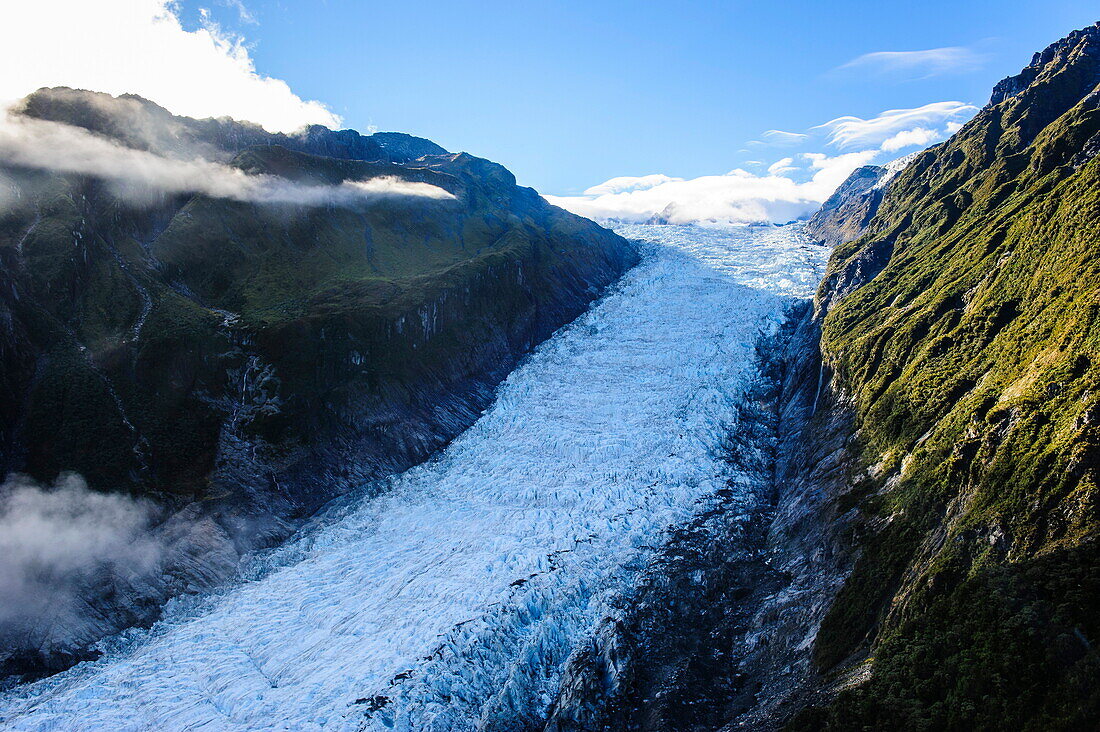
{"x": 845, "y": 214}
{"x": 403, "y": 148}
{"x": 1056, "y": 54}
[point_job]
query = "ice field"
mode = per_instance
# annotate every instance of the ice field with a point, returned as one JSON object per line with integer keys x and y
{"x": 453, "y": 600}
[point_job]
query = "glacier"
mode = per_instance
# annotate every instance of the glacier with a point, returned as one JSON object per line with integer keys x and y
{"x": 450, "y": 597}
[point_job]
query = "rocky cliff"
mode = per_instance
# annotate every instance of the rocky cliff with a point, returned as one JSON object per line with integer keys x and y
{"x": 847, "y": 213}
{"x": 926, "y": 556}
{"x": 235, "y": 363}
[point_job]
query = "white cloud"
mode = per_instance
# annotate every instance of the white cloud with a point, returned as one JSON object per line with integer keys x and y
{"x": 910, "y": 65}
{"x": 779, "y": 138}
{"x": 140, "y": 47}
{"x": 135, "y": 173}
{"x": 849, "y": 132}
{"x": 738, "y": 196}
{"x": 832, "y": 170}
{"x": 781, "y": 166}
{"x": 56, "y": 539}
{"x": 793, "y": 186}
{"x": 629, "y": 183}
{"x": 907, "y": 138}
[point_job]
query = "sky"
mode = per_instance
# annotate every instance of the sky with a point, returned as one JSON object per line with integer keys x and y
{"x": 728, "y": 110}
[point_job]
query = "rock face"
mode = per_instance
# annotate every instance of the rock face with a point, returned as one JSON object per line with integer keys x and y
{"x": 1079, "y": 41}
{"x": 402, "y": 148}
{"x": 238, "y": 364}
{"x": 931, "y": 558}
{"x": 845, "y": 214}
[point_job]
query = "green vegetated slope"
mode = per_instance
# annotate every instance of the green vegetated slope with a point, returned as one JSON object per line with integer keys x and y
{"x": 145, "y": 339}
{"x": 972, "y": 358}
{"x": 239, "y": 364}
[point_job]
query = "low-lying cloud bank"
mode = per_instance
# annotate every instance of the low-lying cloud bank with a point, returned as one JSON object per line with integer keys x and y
{"x": 57, "y": 540}
{"x": 140, "y": 175}
{"x": 791, "y": 187}
{"x": 738, "y": 196}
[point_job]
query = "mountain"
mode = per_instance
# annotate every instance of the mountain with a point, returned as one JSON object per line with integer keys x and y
{"x": 236, "y": 362}
{"x": 960, "y": 330}
{"x": 403, "y": 148}
{"x": 846, "y": 213}
{"x": 140, "y": 124}
{"x": 929, "y": 559}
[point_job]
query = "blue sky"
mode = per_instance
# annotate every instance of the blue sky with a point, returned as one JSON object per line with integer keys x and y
{"x": 691, "y": 111}
{"x": 569, "y": 94}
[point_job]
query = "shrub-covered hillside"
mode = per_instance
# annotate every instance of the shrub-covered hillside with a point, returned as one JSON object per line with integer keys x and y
{"x": 964, "y": 327}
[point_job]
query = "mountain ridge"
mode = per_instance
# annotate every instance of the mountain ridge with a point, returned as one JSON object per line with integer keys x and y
{"x": 957, "y": 330}
{"x": 140, "y": 123}
{"x": 238, "y": 363}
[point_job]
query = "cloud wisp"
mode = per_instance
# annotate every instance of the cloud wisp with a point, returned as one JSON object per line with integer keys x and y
{"x": 55, "y": 541}
{"x": 792, "y": 187}
{"x": 913, "y": 65}
{"x": 141, "y": 47}
{"x": 243, "y": 12}
{"x": 851, "y": 132}
{"x": 780, "y": 138}
{"x": 135, "y": 174}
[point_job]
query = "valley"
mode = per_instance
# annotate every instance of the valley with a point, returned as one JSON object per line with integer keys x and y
{"x": 455, "y": 598}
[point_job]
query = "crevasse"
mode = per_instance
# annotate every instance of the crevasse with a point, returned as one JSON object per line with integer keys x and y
{"x": 453, "y": 600}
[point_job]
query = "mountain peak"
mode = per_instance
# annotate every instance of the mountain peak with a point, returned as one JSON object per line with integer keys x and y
{"x": 1080, "y": 48}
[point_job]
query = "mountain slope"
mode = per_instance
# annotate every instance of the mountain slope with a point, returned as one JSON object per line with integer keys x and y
{"x": 845, "y": 213}
{"x": 961, "y": 330}
{"x": 240, "y": 363}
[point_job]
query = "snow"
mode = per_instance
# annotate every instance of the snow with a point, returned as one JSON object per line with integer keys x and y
{"x": 459, "y": 592}
{"x": 894, "y": 167}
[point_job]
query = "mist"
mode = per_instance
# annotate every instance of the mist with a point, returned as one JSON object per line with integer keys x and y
{"x": 56, "y": 541}
{"x": 135, "y": 174}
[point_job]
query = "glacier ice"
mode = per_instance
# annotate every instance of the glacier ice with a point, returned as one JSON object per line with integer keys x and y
{"x": 453, "y": 598}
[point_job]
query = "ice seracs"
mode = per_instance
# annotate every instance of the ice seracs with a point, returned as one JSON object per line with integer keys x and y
{"x": 454, "y": 598}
